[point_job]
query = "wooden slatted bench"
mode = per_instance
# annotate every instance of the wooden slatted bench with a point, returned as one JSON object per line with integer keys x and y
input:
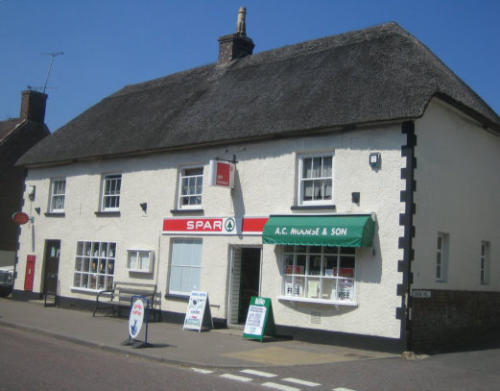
{"x": 121, "y": 295}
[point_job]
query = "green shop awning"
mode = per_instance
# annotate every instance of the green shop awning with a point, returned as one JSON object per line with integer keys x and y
{"x": 338, "y": 230}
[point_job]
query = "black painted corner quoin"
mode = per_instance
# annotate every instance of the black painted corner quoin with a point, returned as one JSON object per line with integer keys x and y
{"x": 406, "y": 242}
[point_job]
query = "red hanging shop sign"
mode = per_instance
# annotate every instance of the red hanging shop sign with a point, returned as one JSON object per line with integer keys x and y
{"x": 20, "y": 218}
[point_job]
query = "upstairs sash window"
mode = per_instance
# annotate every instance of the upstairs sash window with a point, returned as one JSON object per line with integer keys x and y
{"x": 57, "y": 195}
{"x": 111, "y": 186}
{"x": 190, "y": 187}
{"x": 316, "y": 180}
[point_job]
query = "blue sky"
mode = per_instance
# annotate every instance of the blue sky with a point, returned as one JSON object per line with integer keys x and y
{"x": 108, "y": 44}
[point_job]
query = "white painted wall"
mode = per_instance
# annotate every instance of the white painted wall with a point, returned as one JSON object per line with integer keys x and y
{"x": 458, "y": 192}
{"x": 265, "y": 185}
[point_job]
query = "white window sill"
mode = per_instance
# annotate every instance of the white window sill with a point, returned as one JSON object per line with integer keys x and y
{"x": 102, "y": 213}
{"x": 180, "y": 296}
{"x": 187, "y": 211}
{"x": 86, "y": 290}
{"x": 58, "y": 213}
{"x": 318, "y": 301}
{"x": 140, "y": 271}
{"x": 316, "y": 203}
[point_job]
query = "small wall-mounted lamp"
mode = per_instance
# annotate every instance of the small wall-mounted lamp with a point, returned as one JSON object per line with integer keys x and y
{"x": 375, "y": 160}
{"x": 31, "y": 192}
{"x": 38, "y": 210}
{"x": 144, "y": 206}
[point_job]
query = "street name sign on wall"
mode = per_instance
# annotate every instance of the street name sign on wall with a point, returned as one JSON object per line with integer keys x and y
{"x": 260, "y": 320}
{"x": 421, "y": 293}
{"x": 198, "y": 316}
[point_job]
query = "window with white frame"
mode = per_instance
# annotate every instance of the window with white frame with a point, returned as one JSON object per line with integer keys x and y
{"x": 190, "y": 187}
{"x": 442, "y": 249}
{"x": 94, "y": 265}
{"x": 485, "y": 263}
{"x": 111, "y": 186}
{"x": 140, "y": 261}
{"x": 319, "y": 273}
{"x": 315, "y": 179}
{"x": 57, "y": 195}
{"x": 185, "y": 266}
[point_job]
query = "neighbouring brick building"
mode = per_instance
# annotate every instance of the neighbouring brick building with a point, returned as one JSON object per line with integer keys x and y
{"x": 17, "y": 135}
{"x": 364, "y": 203}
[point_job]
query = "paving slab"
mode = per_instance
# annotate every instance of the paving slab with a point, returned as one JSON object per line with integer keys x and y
{"x": 170, "y": 343}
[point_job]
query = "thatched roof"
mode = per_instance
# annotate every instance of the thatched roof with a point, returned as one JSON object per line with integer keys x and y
{"x": 367, "y": 76}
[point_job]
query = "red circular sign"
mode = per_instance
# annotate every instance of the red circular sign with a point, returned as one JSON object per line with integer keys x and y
{"x": 20, "y": 218}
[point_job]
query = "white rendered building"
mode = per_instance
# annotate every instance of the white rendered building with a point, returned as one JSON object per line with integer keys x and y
{"x": 364, "y": 194}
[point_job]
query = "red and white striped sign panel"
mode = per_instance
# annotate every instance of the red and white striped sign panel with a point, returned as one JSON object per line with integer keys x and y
{"x": 214, "y": 225}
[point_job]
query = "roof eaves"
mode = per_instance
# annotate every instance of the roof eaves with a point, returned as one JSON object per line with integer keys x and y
{"x": 224, "y": 142}
{"x": 487, "y": 123}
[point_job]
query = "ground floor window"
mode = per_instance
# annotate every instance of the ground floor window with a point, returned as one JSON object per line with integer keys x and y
{"x": 442, "y": 249}
{"x": 94, "y": 265}
{"x": 140, "y": 261}
{"x": 185, "y": 266}
{"x": 316, "y": 272}
{"x": 485, "y": 263}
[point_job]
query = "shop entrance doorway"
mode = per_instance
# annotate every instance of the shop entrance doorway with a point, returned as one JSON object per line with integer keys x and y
{"x": 51, "y": 267}
{"x": 244, "y": 281}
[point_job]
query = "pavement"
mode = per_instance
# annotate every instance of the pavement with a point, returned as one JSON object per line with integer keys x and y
{"x": 168, "y": 342}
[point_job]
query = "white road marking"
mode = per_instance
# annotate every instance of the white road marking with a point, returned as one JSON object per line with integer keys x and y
{"x": 258, "y": 373}
{"x": 236, "y": 377}
{"x": 281, "y": 387}
{"x": 204, "y": 371}
{"x": 301, "y": 382}
{"x": 342, "y": 389}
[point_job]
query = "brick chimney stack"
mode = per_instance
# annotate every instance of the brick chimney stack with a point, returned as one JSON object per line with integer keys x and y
{"x": 235, "y": 45}
{"x": 33, "y": 106}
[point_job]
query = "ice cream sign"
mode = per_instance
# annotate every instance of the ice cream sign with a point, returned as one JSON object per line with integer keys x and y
{"x": 136, "y": 318}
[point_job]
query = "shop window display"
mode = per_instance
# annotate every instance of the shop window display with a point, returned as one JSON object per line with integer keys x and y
{"x": 94, "y": 265}
{"x": 321, "y": 273}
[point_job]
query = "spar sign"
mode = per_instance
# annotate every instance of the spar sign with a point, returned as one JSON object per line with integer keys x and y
{"x": 214, "y": 225}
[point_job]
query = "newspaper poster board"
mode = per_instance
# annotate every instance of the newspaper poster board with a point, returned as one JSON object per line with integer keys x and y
{"x": 198, "y": 316}
{"x": 260, "y": 320}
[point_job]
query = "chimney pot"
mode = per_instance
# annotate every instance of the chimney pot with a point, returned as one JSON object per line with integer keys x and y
{"x": 236, "y": 45}
{"x": 33, "y": 106}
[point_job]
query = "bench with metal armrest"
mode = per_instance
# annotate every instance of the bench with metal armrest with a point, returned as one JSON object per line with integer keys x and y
{"x": 122, "y": 293}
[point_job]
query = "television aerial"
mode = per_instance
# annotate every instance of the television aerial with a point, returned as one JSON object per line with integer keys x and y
{"x": 52, "y": 55}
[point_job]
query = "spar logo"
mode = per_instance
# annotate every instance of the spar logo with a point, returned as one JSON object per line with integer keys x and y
{"x": 229, "y": 225}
